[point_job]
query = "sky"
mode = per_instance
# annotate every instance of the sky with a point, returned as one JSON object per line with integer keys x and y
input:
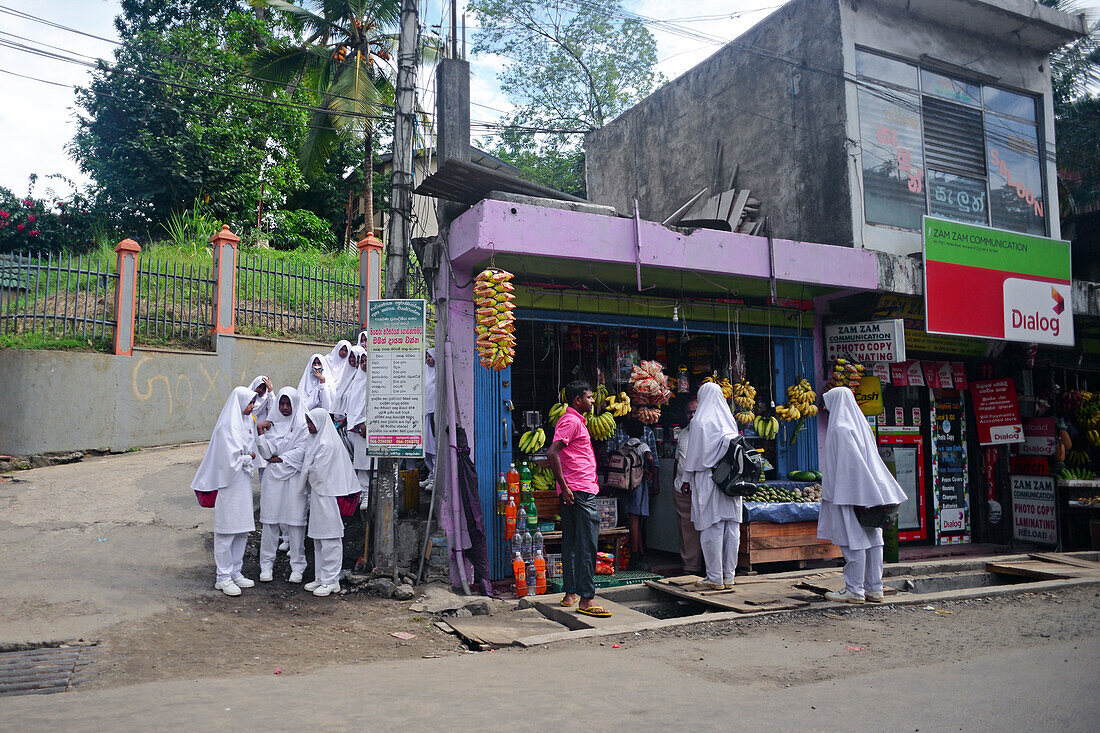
{"x": 37, "y": 119}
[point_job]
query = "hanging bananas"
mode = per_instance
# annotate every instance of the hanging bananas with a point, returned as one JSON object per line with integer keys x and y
{"x": 618, "y": 405}
{"x": 728, "y": 389}
{"x": 766, "y": 427}
{"x": 800, "y": 402}
{"x": 600, "y": 427}
{"x": 542, "y": 479}
{"x": 746, "y": 417}
{"x": 744, "y": 395}
{"x": 532, "y": 441}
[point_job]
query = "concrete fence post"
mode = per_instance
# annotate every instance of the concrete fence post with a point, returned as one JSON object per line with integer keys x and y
{"x": 370, "y": 273}
{"x": 126, "y": 296}
{"x": 225, "y": 281}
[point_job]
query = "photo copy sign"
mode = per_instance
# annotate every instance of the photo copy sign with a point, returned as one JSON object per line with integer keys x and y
{"x": 997, "y": 412}
{"x": 1033, "y": 511}
{"x": 395, "y": 408}
{"x": 869, "y": 341}
{"x": 991, "y": 283}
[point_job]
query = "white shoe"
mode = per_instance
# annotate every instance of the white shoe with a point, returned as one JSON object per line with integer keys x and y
{"x": 843, "y": 596}
{"x": 313, "y": 585}
{"x": 284, "y": 546}
{"x": 324, "y": 590}
{"x": 266, "y": 575}
{"x": 295, "y": 576}
{"x": 243, "y": 582}
{"x": 873, "y": 597}
{"x": 228, "y": 587}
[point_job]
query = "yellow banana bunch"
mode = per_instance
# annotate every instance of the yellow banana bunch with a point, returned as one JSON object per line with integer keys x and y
{"x": 1093, "y": 437}
{"x": 532, "y": 441}
{"x": 744, "y": 394}
{"x": 600, "y": 427}
{"x": 745, "y": 418}
{"x": 800, "y": 402}
{"x": 556, "y": 412}
{"x": 618, "y": 405}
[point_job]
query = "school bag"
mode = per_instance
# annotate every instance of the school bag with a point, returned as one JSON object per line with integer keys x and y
{"x": 624, "y": 470}
{"x": 737, "y": 472}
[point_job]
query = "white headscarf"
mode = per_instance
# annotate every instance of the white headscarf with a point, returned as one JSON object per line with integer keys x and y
{"x": 340, "y": 369}
{"x": 712, "y": 428}
{"x": 287, "y": 437}
{"x": 853, "y": 472}
{"x": 360, "y": 338}
{"x": 429, "y": 385}
{"x": 328, "y": 465}
{"x": 354, "y": 403}
{"x": 231, "y": 443}
{"x": 262, "y": 408}
{"x": 310, "y": 389}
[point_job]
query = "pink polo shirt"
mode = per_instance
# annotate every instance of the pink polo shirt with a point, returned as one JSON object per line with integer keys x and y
{"x": 578, "y": 461}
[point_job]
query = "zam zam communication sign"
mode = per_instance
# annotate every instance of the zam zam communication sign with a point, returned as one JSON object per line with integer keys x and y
{"x": 990, "y": 283}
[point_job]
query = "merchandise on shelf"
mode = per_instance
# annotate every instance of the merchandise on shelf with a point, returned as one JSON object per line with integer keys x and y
{"x": 495, "y": 327}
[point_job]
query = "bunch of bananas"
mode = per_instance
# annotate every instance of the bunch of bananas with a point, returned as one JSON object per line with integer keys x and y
{"x": 600, "y": 427}
{"x": 1088, "y": 414}
{"x": 532, "y": 441}
{"x": 542, "y": 478}
{"x": 744, "y": 395}
{"x": 800, "y": 402}
{"x": 1093, "y": 437}
{"x": 618, "y": 405}
{"x": 746, "y": 417}
{"x": 766, "y": 427}
{"x": 1078, "y": 459}
{"x": 728, "y": 389}
{"x": 496, "y": 340}
{"x": 558, "y": 409}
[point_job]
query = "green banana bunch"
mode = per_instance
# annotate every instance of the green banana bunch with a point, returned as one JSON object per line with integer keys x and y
{"x": 600, "y": 427}
{"x": 532, "y": 441}
{"x": 766, "y": 427}
{"x": 556, "y": 412}
{"x": 542, "y": 479}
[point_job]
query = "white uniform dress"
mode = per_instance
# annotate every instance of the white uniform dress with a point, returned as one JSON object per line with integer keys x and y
{"x": 227, "y": 467}
{"x": 312, "y": 391}
{"x": 341, "y": 371}
{"x": 282, "y": 489}
{"x": 355, "y": 408}
{"x": 715, "y": 515}
{"x": 853, "y": 475}
{"x": 330, "y": 474}
{"x": 261, "y": 410}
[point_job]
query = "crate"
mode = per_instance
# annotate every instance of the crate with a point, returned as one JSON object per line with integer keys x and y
{"x": 623, "y": 577}
{"x": 553, "y": 565}
{"x": 608, "y": 508}
{"x": 545, "y": 527}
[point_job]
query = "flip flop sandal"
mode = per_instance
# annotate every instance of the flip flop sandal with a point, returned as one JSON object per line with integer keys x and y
{"x": 595, "y": 612}
{"x": 566, "y": 605}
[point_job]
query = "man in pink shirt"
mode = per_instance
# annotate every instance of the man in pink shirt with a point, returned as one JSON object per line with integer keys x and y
{"x": 573, "y": 462}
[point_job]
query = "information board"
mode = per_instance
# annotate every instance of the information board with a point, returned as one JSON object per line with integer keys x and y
{"x": 1034, "y": 517}
{"x": 395, "y": 409}
{"x": 869, "y": 341}
{"x": 997, "y": 411}
{"x": 949, "y": 468}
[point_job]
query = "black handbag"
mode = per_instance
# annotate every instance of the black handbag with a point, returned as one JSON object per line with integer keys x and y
{"x": 737, "y": 472}
{"x": 877, "y": 516}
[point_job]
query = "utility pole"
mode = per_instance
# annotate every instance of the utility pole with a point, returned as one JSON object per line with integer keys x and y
{"x": 397, "y": 256}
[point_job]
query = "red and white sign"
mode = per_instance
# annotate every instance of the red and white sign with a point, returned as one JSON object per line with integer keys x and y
{"x": 882, "y": 371}
{"x": 1039, "y": 437}
{"x": 997, "y": 412}
{"x": 915, "y": 373}
{"x": 899, "y": 375}
{"x": 869, "y": 341}
{"x": 932, "y": 375}
{"x": 959, "y": 371}
{"x": 946, "y": 375}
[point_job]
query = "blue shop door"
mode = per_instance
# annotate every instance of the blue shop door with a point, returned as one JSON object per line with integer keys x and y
{"x": 492, "y": 454}
{"x": 789, "y": 366}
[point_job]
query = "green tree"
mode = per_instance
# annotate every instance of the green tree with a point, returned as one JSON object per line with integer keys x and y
{"x": 573, "y": 66}
{"x": 174, "y": 119}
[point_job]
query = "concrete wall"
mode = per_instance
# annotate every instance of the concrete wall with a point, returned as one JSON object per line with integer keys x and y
{"x": 783, "y": 124}
{"x": 67, "y": 400}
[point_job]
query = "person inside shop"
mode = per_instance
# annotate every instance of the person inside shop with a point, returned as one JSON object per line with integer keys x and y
{"x": 716, "y": 516}
{"x": 330, "y": 474}
{"x": 854, "y": 477}
{"x": 573, "y": 462}
{"x": 691, "y": 554}
{"x": 639, "y": 438}
{"x": 226, "y": 467}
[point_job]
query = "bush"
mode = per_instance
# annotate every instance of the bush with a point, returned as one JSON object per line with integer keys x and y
{"x": 33, "y": 223}
{"x": 300, "y": 228}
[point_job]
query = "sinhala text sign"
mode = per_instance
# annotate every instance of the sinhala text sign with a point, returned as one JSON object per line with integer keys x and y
{"x": 1033, "y": 510}
{"x": 395, "y": 409}
{"x": 992, "y": 283}
{"x": 867, "y": 341}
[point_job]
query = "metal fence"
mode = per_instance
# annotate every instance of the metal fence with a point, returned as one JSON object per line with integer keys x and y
{"x": 296, "y": 300}
{"x": 175, "y": 303}
{"x": 57, "y": 295}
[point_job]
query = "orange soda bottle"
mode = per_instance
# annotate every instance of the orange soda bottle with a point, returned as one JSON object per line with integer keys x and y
{"x": 510, "y": 519}
{"x": 512, "y": 477}
{"x": 540, "y": 573}
{"x": 520, "y": 573}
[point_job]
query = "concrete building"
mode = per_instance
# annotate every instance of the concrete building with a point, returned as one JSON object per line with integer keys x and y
{"x": 851, "y": 119}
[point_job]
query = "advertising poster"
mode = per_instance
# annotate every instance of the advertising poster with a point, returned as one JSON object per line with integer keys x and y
{"x": 869, "y": 341}
{"x": 950, "y": 470}
{"x": 395, "y": 411}
{"x": 991, "y": 283}
{"x": 1033, "y": 511}
{"x": 1039, "y": 437}
{"x": 997, "y": 412}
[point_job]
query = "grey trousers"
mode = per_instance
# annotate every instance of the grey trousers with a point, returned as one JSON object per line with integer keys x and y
{"x": 580, "y": 529}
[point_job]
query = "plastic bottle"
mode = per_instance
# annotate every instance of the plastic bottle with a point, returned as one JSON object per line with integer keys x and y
{"x": 538, "y": 544}
{"x": 525, "y": 481}
{"x": 540, "y": 573}
{"x": 510, "y": 515}
{"x": 532, "y": 578}
{"x": 532, "y": 517}
{"x": 512, "y": 477}
{"x": 517, "y": 543}
{"x": 519, "y": 572}
{"x": 521, "y": 519}
{"x": 527, "y": 540}
{"x": 502, "y": 495}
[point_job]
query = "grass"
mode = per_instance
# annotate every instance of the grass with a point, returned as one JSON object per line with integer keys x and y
{"x": 40, "y": 341}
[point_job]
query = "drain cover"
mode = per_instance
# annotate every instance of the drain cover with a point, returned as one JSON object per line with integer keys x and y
{"x": 41, "y": 671}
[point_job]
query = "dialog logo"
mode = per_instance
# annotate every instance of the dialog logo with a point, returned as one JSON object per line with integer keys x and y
{"x": 1037, "y": 311}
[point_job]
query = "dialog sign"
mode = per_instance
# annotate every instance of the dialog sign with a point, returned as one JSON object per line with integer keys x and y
{"x": 992, "y": 283}
{"x": 395, "y": 408}
{"x": 1034, "y": 517}
{"x": 869, "y": 341}
{"x": 997, "y": 412}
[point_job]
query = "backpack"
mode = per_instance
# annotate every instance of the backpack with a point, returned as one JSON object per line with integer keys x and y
{"x": 624, "y": 470}
{"x": 737, "y": 472}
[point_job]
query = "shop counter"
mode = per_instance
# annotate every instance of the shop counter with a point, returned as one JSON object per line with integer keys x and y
{"x": 782, "y": 532}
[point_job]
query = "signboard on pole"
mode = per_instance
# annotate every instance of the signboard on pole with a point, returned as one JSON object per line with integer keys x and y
{"x": 992, "y": 283}
{"x": 1034, "y": 517}
{"x": 997, "y": 412}
{"x": 395, "y": 408}
{"x": 869, "y": 341}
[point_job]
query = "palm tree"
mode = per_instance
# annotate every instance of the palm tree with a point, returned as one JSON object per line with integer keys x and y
{"x": 342, "y": 56}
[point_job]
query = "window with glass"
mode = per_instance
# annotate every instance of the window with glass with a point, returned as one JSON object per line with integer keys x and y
{"x": 936, "y": 144}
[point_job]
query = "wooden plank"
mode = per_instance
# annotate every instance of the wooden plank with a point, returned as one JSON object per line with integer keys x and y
{"x": 733, "y": 600}
{"x": 1064, "y": 560}
{"x": 772, "y": 543}
{"x": 550, "y": 607}
{"x": 734, "y": 216}
{"x": 677, "y": 216}
{"x": 810, "y": 552}
{"x": 501, "y": 631}
{"x": 775, "y": 529}
{"x": 684, "y": 579}
{"x": 1036, "y": 569}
